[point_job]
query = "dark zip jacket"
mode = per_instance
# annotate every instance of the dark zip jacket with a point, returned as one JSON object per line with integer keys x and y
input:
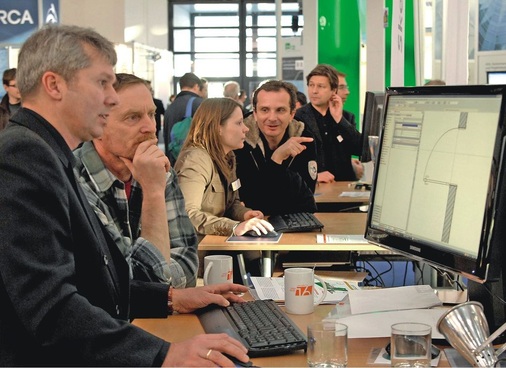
{"x": 274, "y": 188}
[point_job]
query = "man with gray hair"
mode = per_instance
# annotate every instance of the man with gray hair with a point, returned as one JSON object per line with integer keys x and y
{"x": 232, "y": 90}
{"x": 65, "y": 289}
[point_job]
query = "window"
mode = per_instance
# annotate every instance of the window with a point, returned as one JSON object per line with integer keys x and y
{"x": 231, "y": 41}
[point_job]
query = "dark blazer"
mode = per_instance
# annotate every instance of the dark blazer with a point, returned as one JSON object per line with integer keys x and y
{"x": 64, "y": 286}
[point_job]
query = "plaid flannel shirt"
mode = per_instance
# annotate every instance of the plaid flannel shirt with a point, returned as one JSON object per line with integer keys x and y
{"x": 121, "y": 217}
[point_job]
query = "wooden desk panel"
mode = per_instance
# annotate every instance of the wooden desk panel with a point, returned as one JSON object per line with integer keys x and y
{"x": 335, "y": 223}
{"x": 181, "y": 327}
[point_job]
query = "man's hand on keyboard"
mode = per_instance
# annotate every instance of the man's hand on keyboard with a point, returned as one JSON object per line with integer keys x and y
{"x": 205, "y": 351}
{"x": 188, "y": 300}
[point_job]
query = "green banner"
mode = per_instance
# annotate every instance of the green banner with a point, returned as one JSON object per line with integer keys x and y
{"x": 339, "y": 44}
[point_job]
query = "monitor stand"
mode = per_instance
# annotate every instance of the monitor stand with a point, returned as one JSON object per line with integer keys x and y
{"x": 495, "y": 310}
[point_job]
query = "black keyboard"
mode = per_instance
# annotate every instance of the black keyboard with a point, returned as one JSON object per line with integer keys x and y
{"x": 260, "y": 325}
{"x": 295, "y": 222}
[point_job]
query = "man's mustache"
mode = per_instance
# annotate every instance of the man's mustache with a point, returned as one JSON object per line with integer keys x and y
{"x": 146, "y": 137}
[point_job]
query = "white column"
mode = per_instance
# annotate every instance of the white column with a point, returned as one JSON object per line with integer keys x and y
{"x": 375, "y": 38}
{"x": 455, "y": 41}
{"x": 310, "y": 36}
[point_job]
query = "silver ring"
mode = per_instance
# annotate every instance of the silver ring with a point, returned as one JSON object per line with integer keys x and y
{"x": 209, "y": 353}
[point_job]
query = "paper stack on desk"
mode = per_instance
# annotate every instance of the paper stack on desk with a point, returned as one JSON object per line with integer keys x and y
{"x": 370, "y": 313}
{"x": 274, "y": 288}
{"x": 392, "y": 299}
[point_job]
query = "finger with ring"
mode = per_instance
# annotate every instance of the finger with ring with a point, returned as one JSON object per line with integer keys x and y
{"x": 209, "y": 353}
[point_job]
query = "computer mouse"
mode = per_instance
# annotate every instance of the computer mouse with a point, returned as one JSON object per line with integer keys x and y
{"x": 237, "y": 362}
{"x": 434, "y": 351}
{"x": 253, "y": 233}
{"x": 363, "y": 208}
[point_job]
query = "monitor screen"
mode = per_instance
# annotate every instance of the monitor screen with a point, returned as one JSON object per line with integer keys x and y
{"x": 496, "y": 77}
{"x": 371, "y": 121}
{"x": 437, "y": 174}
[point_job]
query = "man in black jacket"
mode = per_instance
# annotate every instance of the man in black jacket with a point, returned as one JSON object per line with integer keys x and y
{"x": 336, "y": 138}
{"x": 277, "y": 165}
{"x": 65, "y": 289}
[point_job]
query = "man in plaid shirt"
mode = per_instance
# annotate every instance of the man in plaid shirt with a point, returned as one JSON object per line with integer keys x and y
{"x": 135, "y": 193}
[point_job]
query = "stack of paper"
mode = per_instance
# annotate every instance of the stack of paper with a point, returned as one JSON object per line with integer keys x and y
{"x": 372, "y": 312}
{"x": 391, "y": 299}
{"x": 274, "y": 288}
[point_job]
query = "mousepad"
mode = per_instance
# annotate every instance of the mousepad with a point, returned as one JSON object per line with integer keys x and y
{"x": 253, "y": 239}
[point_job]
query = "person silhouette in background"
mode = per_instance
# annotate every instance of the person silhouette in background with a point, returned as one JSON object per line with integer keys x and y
{"x": 343, "y": 90}
{"x": 160, "y": 109}
{"x": 191, "y": 87}
{"x": 11, "y": 101}
{"x": 336, "y": 138}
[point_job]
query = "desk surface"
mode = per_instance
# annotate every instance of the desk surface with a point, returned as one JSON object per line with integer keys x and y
{"x": 328, "y": 197}
{"x": 331, "y": 192}
{"x": 335, "y": 223}
{"x": 181, "y": 327}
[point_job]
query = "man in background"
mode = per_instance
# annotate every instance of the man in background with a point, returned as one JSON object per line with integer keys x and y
{"x": 232, "y": 90}
{"x": 336, "y": 138}
{"x": 191, "y": 87}
{"x": 301, "y": 100}
{"x": 343, "y": 90}
{"x": 204, "y": 90}
{"x": 160, "y": 109}
{"x": 11, "y": 101}
{"x": 277, "y": 165}
{"x": 435, "y": 82}
{"x": 128, "y": 189}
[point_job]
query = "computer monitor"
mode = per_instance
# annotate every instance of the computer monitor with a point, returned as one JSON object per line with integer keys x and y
{"x": 496, "y": 77}
{"x": 439, "y": 190}
{"x": 371, "y": 121}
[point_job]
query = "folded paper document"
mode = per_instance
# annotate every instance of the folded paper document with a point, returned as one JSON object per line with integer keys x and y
{"x": 274, "y": 288}
{"x": 391, "y": 299}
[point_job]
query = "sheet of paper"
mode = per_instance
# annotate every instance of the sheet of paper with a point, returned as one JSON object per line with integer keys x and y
{"x": 274, "y": 288}
{"x": 363, "y": 194}
{"x": 379, "y": 324}
{"x": 340, "y": 239}
{"x": 397, "y": 298}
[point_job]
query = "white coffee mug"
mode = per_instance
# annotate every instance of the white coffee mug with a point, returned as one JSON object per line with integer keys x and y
{"x": 300, "y": 290}
{"x": 218, "y": 269}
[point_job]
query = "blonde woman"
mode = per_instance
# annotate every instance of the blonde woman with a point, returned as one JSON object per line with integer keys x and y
{"x": 206, "y": 172}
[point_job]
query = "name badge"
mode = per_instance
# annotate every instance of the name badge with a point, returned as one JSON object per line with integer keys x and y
{"x": 340, "y": 139}
{"x": 236, "y": 185}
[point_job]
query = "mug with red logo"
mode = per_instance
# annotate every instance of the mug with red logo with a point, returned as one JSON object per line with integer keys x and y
{"x": 301, "y": 295}
{"x": 218, "y": 269}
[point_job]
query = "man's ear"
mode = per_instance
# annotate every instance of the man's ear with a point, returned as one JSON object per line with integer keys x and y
{"x": 52, "y": 84}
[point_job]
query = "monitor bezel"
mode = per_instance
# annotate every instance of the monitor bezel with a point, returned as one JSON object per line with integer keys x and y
{"x": 371, "y": 120}
{"x": 476, "y": 269}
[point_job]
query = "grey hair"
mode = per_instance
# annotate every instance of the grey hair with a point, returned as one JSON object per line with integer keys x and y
{"x": 60, "y": 49}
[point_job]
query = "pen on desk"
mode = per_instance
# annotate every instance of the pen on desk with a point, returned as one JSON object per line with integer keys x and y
{"x": 349, "y": 208}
